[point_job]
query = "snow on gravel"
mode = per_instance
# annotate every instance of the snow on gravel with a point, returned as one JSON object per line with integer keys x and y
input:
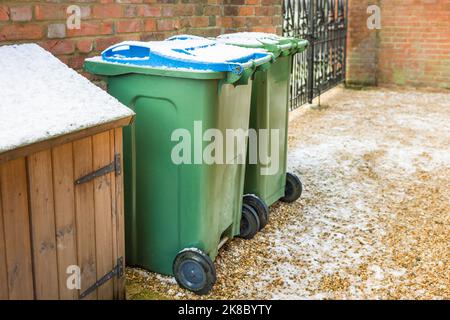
{"x": 373, "y": 220}
{"x": 41, "y": 98}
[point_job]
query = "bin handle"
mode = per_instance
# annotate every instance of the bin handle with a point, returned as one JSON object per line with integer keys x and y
{"x": 265, "y": 58}
{"x": 185, "y": 37}
{"x": 141, "y": 52}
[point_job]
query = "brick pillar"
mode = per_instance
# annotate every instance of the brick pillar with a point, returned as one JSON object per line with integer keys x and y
{"x": 252, "y": 15}
{"x": 414, "y": 47}
{"x": 362, "y": 52}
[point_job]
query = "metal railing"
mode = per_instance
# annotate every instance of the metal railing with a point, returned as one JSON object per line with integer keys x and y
{"x": 322, "y": 66}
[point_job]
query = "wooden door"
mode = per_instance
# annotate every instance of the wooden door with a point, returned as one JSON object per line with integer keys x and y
{"x": 49, "y": 224}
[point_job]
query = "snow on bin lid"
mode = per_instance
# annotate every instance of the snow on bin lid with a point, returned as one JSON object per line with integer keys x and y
{"x": 196, "y": 54}
{"x": 250, "y": 38}
{"x": 42, "y": 98}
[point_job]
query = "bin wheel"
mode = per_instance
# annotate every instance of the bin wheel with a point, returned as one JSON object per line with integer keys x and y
{"x": 293, "y": 189}
{"x": 194, "y": 271}
{"x": 249, "y": 222}
{"x": 260, "y": 207}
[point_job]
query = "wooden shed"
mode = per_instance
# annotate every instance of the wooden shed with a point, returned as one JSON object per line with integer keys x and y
{"x": 61, "y": 185}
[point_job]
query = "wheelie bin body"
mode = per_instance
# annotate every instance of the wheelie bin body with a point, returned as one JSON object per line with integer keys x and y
{"x": 270, "y": 110}
{"x": 175, "y": 89}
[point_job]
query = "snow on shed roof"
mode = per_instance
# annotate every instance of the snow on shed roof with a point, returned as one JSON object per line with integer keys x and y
{"x": 41, "y": 98}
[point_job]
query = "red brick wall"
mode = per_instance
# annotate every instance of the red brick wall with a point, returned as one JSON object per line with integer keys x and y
{"x": 105, "y": 22}
{"x": 412, "y": 47}
{"x": 362, "y": 54}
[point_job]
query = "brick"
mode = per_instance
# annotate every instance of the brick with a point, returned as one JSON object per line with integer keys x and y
{"x": 130, "y": 11}
{"x": 186, "y": 10}
{"x": 89, "y": 28}
{"x": 21, "y": 32}
{"x": 21, "y": 13}
{"x": 198, "y": 22}
{"x": 107, "y": 11}
{"x": 168, "y": 11}
{"x": 231, "y": 11}
{"x": 149, "y": 11}
{"x": 130, "y": 1}
{"x": 198, "y": 10}
{"x": 150, "y": 25}
{"x": 167, "y": 25}
{"x": 212, "y": 10}
{"x": 76, "y": 62}
{"x": 127, "y": 26}
{"x": 264, "y": 11}
{"x": 246, "y": 11}
{"x": 212, "y": 21}
{"x": 4, "y": 13}
{"x": 59, "y": 46}
{"x": 85, "y": 45}
{"x": 227, "y": 22}
{"x": 50, "y": 12}
{"x": 103, "y": 43}
{"x": 85, "y": 12}
{"x": 270, "y": 2}
{"x": 56, "y": 30}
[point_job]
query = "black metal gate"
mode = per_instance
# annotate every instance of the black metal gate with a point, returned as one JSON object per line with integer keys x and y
{"x": 322, "y": 65}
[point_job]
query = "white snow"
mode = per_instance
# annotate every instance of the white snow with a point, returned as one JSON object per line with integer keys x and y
{"x": 198, "y": 50}
{"x": 250, "y": 38}
{"x": 42, "y": 98}
{"x": 99, "y": 59}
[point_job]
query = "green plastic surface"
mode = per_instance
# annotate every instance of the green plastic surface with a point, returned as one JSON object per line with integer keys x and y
{"x": 171, "y": 207}
{"x": 270, "y": 110}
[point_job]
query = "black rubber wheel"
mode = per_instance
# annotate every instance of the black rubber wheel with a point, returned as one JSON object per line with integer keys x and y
{"x": 194, "y": 271}
{"x": 249, "y": 222}
{"x": 260, "y": 207}
{"x": 293, "y": 189}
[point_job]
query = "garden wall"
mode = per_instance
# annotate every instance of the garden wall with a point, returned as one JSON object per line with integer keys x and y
{"x": 412, "y": 47}
{"x": 105, "y": 22}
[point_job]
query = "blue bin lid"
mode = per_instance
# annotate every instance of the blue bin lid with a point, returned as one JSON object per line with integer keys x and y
{"x": 193, "y": 53}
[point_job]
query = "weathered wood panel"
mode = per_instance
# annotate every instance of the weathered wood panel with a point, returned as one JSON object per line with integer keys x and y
{"x": 85, "y": 215}
{"x": 17, "y": 229}
{"x": 120, "y": 212}
{"x": 103, "y": 215}
{"x": 43, "y": 225}
{"x": 48, "y": 223}
{"x": 63, "y": 186}
{"x": 3, "y": 271}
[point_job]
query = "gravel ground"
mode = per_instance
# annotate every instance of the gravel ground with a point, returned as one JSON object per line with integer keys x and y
{"x": 374, "y": 218}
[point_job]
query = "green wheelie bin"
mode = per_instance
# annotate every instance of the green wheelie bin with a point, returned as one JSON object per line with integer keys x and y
{"x": 267, "y": 181}
{"x": 179, "y": 207}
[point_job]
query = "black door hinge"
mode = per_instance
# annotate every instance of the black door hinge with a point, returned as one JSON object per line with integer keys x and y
{"x": 117, "y": 271}
{"x": 113, "y": 166}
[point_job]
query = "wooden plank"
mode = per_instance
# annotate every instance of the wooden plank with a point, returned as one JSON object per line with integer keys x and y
{"x": 43, "y": 225}
{"x": 50, "y": 143}
{"x": 120, "y": 211}
{"x": 85, "y": 215}
{"x": 114, "y": 211}
{"x": 17, "y": 229}
{"x": 63, "y": 185}
{"x": 3, "y": 270}
{"x": 103, "y": 214}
